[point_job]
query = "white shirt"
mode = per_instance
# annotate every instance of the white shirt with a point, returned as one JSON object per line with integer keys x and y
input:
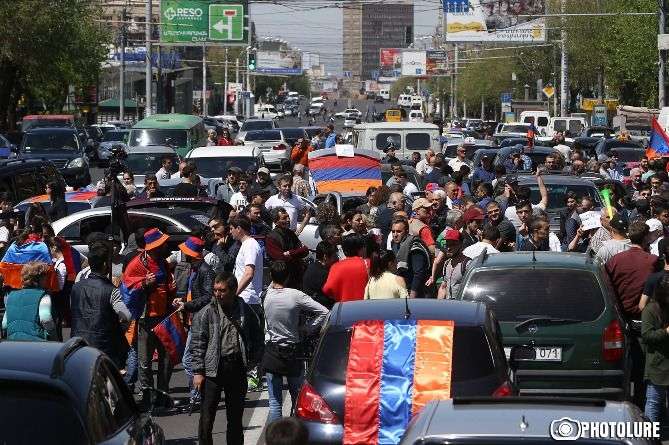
{"x": 511, "y": 215}
{"x": 655, "y": 246}
{"x": 423, "y": 167}
{"x": 292, "y": 205}
{"x": 238, "y": 200}
{"x": 163, "y": 174}
{"x": 250, "y": 254}
{"x": 475, "y": 249}
{"x": 409, "y": 189}
{"x": 456, "y": 163}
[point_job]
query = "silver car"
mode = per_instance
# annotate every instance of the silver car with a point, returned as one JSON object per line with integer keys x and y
{"x": 111, "y": 139}
{"x": 272, "y": 145}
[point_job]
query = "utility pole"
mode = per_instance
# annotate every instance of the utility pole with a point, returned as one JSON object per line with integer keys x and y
{"x": 455, "y": 88}
{"x": 661, "y": 62}
{"x": 121, "y": 90}
{"x": 149, "y": 57}
{"x": 564, "y": 76}
{"x": 204, "y": 80}
{"x": 237, "y": 87}
{"x": 225, "y": 84}
{"x": 247, "y": 96}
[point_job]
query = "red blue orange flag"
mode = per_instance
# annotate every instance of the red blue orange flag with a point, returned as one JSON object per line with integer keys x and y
{"x": 659, "y": 141}
{"x": 395, "y": 367}
{"x": 332, "y": 173}
{"x": 18, "y": 255}
{"x": 172, "y": 335}
{"x": 71, "y": 258}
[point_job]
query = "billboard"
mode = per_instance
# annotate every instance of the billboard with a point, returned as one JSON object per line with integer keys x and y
{"x": 200, "y": 22}
{"x": 436, "y": 63}
{"x": 494, "y": 20}
{"x": 390, "y": 58}
{"x": 413, "y": 63}
{"x": 283, "y": 61}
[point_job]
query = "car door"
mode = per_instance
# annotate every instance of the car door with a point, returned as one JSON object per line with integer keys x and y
{"x": 77, "y": 232}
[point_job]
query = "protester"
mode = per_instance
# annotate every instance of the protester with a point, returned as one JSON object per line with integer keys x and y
{"x": 419, "y": 225}
{"x": 290, "y": 203}
{"x": 188, "y": 187}
{"x": 225, "y": 246}
{"x": 240, "y": 199}
{"x": 300, "y": 152}
{"x": 230, "y": 186}
{"x": 287, "y": 431}
{"x": 225, "y": 139}
{"x": 284, "y": 245}
{"x": 618, "y": 242}
{"x": 489, "y": 240}
{"x": 413, "y": 258}
{"x": 348, "y": 278}
{"x": 507, "y": 232}
{"x": 383, "y": 281}
{"x": 284, "y": 307}
{"x": 227, "y": 340}
{"x": 58, "y": 207}
{"x": 151, "y": 188}
{"x": 300, "y": 185}
{"x": 473, "y": 222}
{"x": 166, "y": 167}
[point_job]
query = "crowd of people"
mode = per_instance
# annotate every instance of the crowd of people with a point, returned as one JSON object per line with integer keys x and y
{"x": 253, "y": 298}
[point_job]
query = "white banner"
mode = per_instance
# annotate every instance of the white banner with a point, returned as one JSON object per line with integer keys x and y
{"x": 413, "y": 63}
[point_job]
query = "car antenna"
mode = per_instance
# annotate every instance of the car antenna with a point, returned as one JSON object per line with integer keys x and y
{"x": 407, "y": 311}
{"x": 534, "y": 256}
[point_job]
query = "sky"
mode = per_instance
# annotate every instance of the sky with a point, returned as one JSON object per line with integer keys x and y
{"x": 320, "y": 30}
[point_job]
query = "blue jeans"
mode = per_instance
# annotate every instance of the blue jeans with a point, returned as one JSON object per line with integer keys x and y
{"x": 131, "y": 366}
{"x": 275, "y": 390}
{"x": 656, "y": 401}
{"x": 187, "y": 362}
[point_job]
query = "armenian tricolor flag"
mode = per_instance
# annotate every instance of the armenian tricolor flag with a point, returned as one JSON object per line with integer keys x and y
{"x": 71, "y": 258}
{"x": 19, "y": 255}
{"x": 332, "y": 173}
{"x": 659, "y": 141}
{"x": 172, "y": 335}
{"x": 531, "y": 134}
{"x": 395, "y": 367}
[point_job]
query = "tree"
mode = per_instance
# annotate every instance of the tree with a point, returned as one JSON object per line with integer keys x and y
{"x": 53, "y": 44}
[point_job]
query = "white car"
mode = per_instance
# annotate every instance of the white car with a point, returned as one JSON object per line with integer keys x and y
{"x": 315, "y": 109}
{"x": 267, "y": 112}
{"x": 416, "y": 116}
{"x": 255, "y": 124}
{"x": 351, "y": 120}
{"x": 404, "y": 100}
{"x": 416, "y": 100}
{"x": 213, "y": 162}
{"x": 272, "y": 146}
{"x": 353, "y": 111}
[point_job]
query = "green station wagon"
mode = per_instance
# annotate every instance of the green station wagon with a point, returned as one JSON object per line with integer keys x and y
{"x": 561, "y": 309}
{"x": 183, "y": 132}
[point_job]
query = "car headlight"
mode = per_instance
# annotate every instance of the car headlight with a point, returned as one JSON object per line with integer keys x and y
{"x": 76, "y": 163}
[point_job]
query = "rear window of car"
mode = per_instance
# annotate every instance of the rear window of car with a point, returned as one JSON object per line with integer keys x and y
{"x": 520, "y": 294}
{"x": 418, "y": 141}
{"x": 472, "y": 358}
{"x": 514, "y": 129}
{"x": 263, "y": 136}
{"x": 557, "y": 193}
{"x": 383, "y": 139}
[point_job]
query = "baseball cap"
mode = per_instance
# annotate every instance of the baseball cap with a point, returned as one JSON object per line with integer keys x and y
{"x": 234, "y": 170}
{"x": 432, "y": 186}
{"x": 452, "y": 235}
{"x": 472, "y": 214}
{"x": 619, "y": 224}
{"x": 654, "y": 224}
{"x": 421, "y": 202}
{"x": 263, "y": 170}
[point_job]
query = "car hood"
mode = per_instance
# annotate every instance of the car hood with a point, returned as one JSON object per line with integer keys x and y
{"x": 51, "y": 154}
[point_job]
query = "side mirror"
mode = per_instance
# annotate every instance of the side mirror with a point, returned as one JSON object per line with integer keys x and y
{"x": 519, "y": 354}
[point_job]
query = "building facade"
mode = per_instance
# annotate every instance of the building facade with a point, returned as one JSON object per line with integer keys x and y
{"x": 369, "y": 27}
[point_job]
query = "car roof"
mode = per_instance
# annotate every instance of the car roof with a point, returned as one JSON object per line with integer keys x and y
{"x": 52, "y": 130}
{"x": 260, "y": 120}
{"x": 148, "y": 149}
{"x": 169, "y": 121}
{"x": 234, "y": 151}
{"x": 60, "y": 224}
{"x": 554, "y": 179}
{"x": 542, "y": 260}
{"x": 397, "y": 126}
{"x": 504, "y": 416}
{"x": 461, "y": 312}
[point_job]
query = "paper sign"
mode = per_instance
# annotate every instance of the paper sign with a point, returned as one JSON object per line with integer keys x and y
{"x": 345, "y": 150}
{"x": 590, "y": 220}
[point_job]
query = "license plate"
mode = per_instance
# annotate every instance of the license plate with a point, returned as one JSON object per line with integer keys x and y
{"x": 542, "y": 353}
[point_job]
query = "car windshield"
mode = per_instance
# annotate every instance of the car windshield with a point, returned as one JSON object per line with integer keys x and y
{"x": 115, "y": 136}
{"x": 292, "y": 133}
{"x": 523, "y": 293}
{"x": 145, "y": 137}
{"x": 271, "y": 135}
{"x": 50, "y": 141}
{"x": 57, "y": 415}
{"x": 557, "y": 193}
{"x": 256, "y": 125}
{"x": 629, "y": 155}
{"x": 514, "y": 129}
{"x": 217, "y": 167}
{"x": 147, "y": 163}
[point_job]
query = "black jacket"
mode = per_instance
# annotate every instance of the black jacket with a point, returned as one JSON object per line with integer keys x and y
{"x": 226, "y": 253}
{"x": 94, "y": 319}
{"x": 57, "y": 210}
{"x": 202, "y": 288}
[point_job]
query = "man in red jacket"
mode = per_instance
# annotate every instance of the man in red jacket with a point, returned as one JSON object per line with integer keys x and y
{"x": 348, "y": 278}
{"x": 284, "y": 245}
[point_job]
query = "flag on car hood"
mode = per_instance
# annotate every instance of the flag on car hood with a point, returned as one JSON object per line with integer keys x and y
{"x": 172, "y": 335}
{"x": 19, "y": 255}
{"x": 659, "y": 141}
{"x": 395, "y": 367}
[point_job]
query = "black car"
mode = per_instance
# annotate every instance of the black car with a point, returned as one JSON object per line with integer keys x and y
{"x": 291, "y": 135}
{"x": 479, "y": 365}
{"x": 24, "y": 178}
{"x": 67, "y": 393}
{"x": 63, "y": 147}
{"x": 606, "y": 145}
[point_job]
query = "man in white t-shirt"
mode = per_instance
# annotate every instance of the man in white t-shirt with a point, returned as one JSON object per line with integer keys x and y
{"x": 289, "y": 201}
{"x": 522, "y": 194}
{"x": 238, "y": 200}
{"x": 249, "y": 263}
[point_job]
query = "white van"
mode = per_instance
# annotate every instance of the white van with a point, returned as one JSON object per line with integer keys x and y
{"x": 266, "y": 111}
{"x": 407, "y": 137}
{"x": 416, "y": 116}
{"x": 571, "y": 126}
{"x": 404, "y": 100}
{"x": 416, "y": 100}
{"x": 384, "y": 93}
{"x": 540, "y": 119}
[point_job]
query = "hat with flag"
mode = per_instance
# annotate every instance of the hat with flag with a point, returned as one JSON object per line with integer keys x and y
{"x": 192, "y": 247}
{"x": 154, "y": 238}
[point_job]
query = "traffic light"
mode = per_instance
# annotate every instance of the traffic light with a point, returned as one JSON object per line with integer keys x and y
{"x": 252, "y": 61}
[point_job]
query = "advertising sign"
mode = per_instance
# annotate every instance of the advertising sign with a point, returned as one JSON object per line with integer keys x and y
{"x": 436, "y": 63}
{"x": 494, "y": 21}
{"x": 413, "y": 63}
{"x": 390, "y": 58}
{"x": 284, "y": 61}
{"x": 198, "y": 22}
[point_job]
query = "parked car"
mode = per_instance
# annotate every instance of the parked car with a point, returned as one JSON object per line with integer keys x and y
{"x": 479, "y": 365}
{"x": 181, "y": 131}
{"x": 112, "y": 139}
{"x": 76, "y": 201}
{"x": 537, "y": 154}
{"x": 7, "y": 149}
{"x": 255, "y": 125}
{"x": 61, "y": 146}
{"x": 24, "y": 178}
{"x": 142, "y": 161}
{"x": 291, "y": 135}
{"x": 274, "y": 148}
{"x": 560, "y": 306}
{"x": 213, "y": 162}
{"x": 76, "y": 391}
{"x": 604, "y": 146}
{"x": 518, "y": 420}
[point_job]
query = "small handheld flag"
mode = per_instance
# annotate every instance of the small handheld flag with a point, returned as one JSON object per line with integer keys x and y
{"x": 659, "y": 141}
{"x": 172, "y": 335}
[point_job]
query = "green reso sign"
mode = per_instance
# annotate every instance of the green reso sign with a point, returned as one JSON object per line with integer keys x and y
{"x": 197, "y": 22}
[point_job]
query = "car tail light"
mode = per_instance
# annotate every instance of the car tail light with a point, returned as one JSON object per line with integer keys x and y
{"x": 504, "y": 390}
{"x": 279, "y": 147}
{"x": 613, "y": 342}
{"x": 311, "y": 406}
